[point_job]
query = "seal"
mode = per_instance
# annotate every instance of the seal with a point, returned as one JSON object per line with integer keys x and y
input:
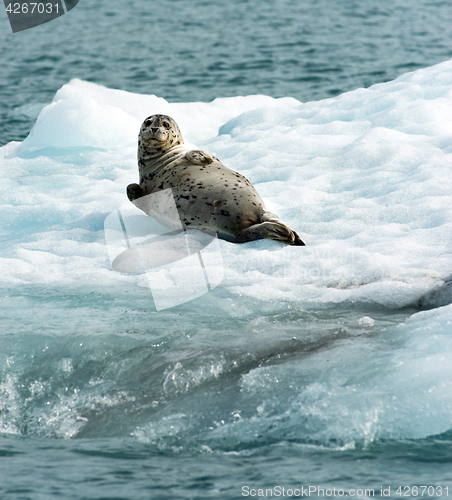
{"x": 207, "y": 194}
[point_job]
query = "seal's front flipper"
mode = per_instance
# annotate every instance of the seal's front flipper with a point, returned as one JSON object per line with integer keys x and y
{"x": 134, "y": 191}
{"x": 136, "y": 195}
{"x": 198, "y": 157}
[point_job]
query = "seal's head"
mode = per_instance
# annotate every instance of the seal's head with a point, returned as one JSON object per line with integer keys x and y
{"x": 159, "y": 133}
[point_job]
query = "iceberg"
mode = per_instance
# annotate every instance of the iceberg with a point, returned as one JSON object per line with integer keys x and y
{"x": 364, "y": 178}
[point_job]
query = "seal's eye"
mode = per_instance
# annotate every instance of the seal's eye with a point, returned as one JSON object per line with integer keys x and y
{"x": 148, "y": 122}
{"x": 166, "y": 125}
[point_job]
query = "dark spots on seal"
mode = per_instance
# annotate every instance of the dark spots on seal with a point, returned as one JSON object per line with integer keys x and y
{"x": 184, "y": 197}
{"x": 224, "y": 212}
{"x": 218, "y": 203}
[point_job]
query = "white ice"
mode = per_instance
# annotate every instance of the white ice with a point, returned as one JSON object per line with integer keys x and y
{"x": 364, "y": 178}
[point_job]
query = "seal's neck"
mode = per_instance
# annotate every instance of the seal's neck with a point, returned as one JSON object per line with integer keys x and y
{"x": 147, "y": 152}
{"x": 148, "y": 161}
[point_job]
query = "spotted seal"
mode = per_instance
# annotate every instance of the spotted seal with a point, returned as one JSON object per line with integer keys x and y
{"x": 207, "y": 193}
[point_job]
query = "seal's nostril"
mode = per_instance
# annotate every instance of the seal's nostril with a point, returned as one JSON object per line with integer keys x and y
{"x": 154, "y": 129}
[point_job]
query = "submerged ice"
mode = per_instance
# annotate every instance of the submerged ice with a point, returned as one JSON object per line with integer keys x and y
{"x": 365, "y": 180}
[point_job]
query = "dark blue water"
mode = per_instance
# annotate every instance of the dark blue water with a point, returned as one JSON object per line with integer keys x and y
{"x": 196, "y": 50}
{"x": 100, "y": 398}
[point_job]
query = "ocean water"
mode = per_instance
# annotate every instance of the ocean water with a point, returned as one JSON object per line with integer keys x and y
{"x": 315, "y": 371}
{"x": 187, "y": 51}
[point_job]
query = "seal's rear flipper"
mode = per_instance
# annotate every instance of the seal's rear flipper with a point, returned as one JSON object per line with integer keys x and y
{"x": 271, "y": 231}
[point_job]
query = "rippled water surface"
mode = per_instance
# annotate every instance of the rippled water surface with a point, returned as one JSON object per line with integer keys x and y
{"x": 102, "y": 397}
{"x": 189, "y": 51}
